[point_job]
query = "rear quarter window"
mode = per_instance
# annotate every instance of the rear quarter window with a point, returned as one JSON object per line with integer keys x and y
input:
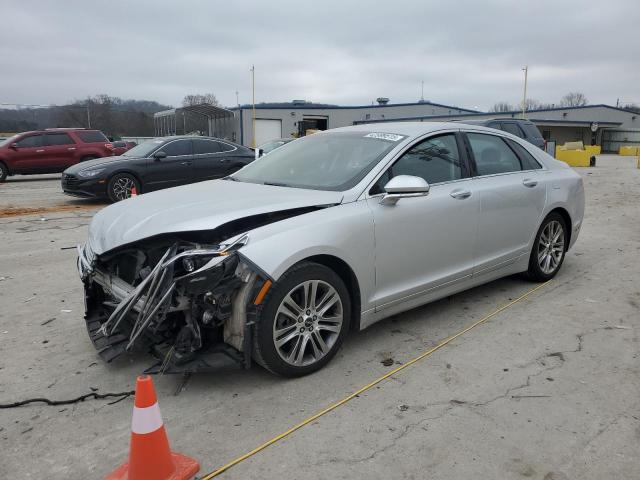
{"x": 531, "y": 130}
{"x": 528, "y": 162}
{"x": 92, "y": 137}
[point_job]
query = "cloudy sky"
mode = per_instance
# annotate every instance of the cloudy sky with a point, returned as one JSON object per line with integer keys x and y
{"x": 468, "y": 53}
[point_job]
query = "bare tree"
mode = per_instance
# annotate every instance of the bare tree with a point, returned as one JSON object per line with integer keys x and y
{"x": 574, "y": 99}
{"x": 200, "y": 98}
{"x": 502, "y": 107}
{"x": 632, "y": 107}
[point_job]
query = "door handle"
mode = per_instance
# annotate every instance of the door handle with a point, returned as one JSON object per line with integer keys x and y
{"x": 186, "y": 163}
{"x": 460, "y": 194}
{"x": 528, "y": 182}
{"x": 224, "y": 159}
{"x": 71, "y": 149}
{"x": 40, "y": 151}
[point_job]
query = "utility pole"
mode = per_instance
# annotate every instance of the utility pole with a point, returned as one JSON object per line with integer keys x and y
{"x": 88, "y": 115}
{"x": 524, "y": 97}
{"x": 237, "y": 98}
{"x": 422, "y": 94}
{"x": 253, "y": 93}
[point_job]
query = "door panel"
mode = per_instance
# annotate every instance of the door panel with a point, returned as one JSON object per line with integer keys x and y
{"x": 173, "y": 170}
{"x": 512, "y": 200}
{"x": 29, "y": 154}
{"x": 60, "y": 151}
{"x": 509, "y": 215}
{"x": 423, "y": 242}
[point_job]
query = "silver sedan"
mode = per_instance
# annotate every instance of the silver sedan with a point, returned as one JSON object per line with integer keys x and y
{"x": 330, "y": 233}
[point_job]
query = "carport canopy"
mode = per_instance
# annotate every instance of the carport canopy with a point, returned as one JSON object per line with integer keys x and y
{"x": 208, "y": 110}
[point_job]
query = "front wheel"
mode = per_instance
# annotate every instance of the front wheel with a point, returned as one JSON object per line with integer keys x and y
{"x": 4, "y": 171}
{"x": 121, "y": 186}
{"x": 304, "y": 319}
{"x": 549, "y": 249}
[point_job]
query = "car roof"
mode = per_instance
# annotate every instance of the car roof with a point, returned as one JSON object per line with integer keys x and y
{"x": 410, "y": 129}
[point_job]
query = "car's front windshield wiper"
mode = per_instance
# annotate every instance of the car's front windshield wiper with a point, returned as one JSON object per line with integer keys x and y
{"x": 276, "y": 184}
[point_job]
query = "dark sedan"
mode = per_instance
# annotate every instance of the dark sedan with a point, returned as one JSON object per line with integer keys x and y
{"x": 154, "y": 165}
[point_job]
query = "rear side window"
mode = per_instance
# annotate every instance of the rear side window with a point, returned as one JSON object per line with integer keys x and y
{"x": 92, "y": 137}
{"x": 528, "y": 162}
{"x": 225, "y": 147}
{"x": 31, "y": 141}
{"x": 177, "y": 148}
{"x": 201, "y": 147}
{"x": 513, "y": 129}
{"x": 58, "y": 139}
{"x": 531, "y": 130}
{"x": 492, "y": 154}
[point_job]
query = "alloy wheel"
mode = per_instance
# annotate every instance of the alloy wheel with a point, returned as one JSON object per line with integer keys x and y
{"x": 122, "y": 188}
{"x": 551, "y": 247}
{"x": 308, "y": 323}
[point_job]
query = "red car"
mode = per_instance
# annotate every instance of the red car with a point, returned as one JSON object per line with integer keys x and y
{"x": 120, "y": 146}
{"x": 51, "y": 150}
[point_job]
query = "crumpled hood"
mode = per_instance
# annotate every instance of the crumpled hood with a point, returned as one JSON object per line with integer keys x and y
{"x": 97, "y": 162}
{"x": 200, "y": 206}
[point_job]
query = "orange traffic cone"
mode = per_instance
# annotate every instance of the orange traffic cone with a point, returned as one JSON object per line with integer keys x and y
{"x": 150, "y": 457}
{"x": 134, "y": 191}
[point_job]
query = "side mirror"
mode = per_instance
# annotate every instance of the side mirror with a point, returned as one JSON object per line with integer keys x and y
{"x": 159, "y": 155}
{"x": 404, "y": 186}
{"x": 14, "y": 146}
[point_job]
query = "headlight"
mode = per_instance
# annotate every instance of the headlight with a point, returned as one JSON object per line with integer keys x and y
{"x": 90, "y": 173}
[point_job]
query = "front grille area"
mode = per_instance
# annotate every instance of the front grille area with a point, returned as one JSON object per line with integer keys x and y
{"x": 69, "y": 181}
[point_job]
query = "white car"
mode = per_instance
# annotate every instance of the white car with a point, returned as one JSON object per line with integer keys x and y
{"x": 327, "y": 234}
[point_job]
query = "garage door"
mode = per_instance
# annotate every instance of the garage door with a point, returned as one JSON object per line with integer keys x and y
{"x": 267, "y": 130}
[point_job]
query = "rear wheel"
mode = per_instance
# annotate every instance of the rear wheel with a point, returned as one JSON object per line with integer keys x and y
{"x": 4, "y": 171}
{"x": 548, "y": 249}
{"x": 303, "y": 322}
{"x": 121, "y": 185}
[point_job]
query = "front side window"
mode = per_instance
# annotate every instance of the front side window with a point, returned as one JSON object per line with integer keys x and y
{"x": 30, "y": 142}
{"x": 492, "y": 154}
{"x": 58, "y": 139}
{"x": 436, "y": 160}
{"x": 201, "y": 147}
{"x": 513, "y": 129}
{"x": 177, "y": 148}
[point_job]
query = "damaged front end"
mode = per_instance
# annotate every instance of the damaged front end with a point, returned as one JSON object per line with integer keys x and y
{"x": 183, "y": 301}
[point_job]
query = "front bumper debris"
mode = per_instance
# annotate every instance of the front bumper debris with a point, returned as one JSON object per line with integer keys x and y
{"x": 181, "y": 317}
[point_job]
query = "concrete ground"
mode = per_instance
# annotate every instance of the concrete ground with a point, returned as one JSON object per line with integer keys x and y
{"x": 547, "y": 389}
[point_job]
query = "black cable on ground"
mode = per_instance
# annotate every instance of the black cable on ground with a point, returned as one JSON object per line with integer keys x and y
{"x": 81, "y": 398}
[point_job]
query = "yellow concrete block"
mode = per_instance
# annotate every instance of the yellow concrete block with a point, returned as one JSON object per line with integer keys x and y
{"x": 574, "y": 146}
{"x": 630, "y": 150}
{"x": 575, "y": 158}
{"x": 593, "y": 149}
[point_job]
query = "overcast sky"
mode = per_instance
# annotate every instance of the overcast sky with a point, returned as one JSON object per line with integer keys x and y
{"x": 469, "y": 53}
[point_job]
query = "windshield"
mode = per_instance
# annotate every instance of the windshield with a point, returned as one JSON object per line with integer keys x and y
{"x": 324, "y": 161}
{"x": 145, "y": 148}
{"x": 8, "y": 141}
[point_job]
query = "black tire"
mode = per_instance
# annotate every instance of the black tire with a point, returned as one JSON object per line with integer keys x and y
{"x": 88, "y": 157}
{"x": 536, "y": 272}
{"x": 120, "y": 185}
{"x": 265, "y": 351}
{"x": 4, "y": 171}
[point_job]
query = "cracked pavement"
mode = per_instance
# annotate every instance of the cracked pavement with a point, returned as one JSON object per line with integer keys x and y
{"x": 548, "y": 389}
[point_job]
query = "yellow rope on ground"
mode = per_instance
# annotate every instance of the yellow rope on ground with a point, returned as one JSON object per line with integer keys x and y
{"x": 330, "y": 408}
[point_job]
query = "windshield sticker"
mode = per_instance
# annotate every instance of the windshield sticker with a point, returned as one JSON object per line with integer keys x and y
{"x": 391, "y": 137}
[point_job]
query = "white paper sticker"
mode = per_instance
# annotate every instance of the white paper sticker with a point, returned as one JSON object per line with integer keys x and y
{"x": 392, "y": 137}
